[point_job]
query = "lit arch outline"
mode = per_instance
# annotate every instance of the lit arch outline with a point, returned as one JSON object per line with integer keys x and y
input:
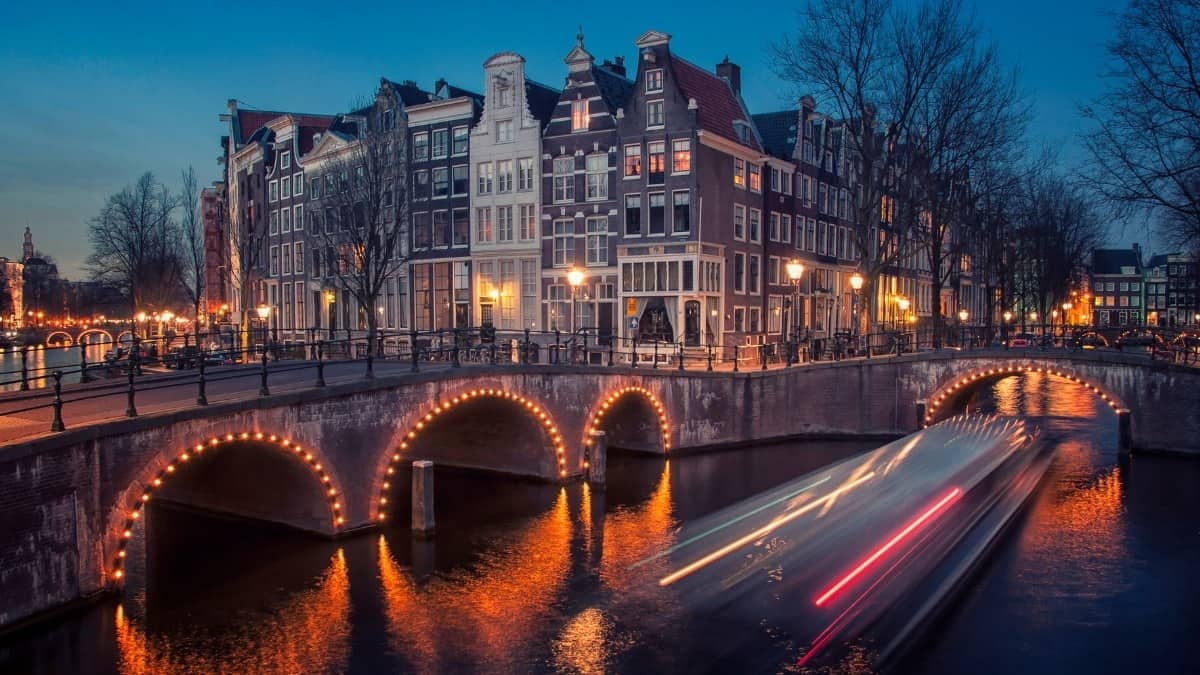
{"x": 611, "y": 400}
{"x": 539, "y": 413}
{"x": 948, "y": 391}
{"x": 332, "y": 493}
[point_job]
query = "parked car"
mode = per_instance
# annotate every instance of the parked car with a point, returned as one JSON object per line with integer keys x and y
{"x": 1022, "y": 340}
{"x": 182, "y": 357}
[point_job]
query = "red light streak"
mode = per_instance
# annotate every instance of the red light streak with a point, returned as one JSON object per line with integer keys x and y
{"x": 891, "y": 543}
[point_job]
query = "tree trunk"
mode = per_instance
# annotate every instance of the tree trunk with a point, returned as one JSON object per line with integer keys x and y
{"x": 372, "y": 329}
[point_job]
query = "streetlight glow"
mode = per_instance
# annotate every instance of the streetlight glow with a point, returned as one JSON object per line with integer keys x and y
{"x": 795, "y": 269}
{"x": 575, "y": 276}
{"x": 903, "y": 304}
{"x": 856, "y": 281}
{"x": 263, "y": 311}
{"x": 963, "y": 315}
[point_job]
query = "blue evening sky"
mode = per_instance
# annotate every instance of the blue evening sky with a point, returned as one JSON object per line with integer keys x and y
{"x": 97, "y": 93}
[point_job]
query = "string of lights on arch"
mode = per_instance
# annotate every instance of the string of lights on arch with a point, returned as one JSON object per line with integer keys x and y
{"x": 1011, "y": 370}
{"x": 534, "y": 409}
{"x": 193, "y": 452}
{"x": 613, "y": 397}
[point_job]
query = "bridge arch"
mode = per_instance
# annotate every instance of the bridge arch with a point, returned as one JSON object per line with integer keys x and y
{"x": 419, "y": 425}
{"x": 614, "y": 404}
{"x": 131, "y": 502}
{"x": 69, "y": 339}
{"x": 948, "y": 391}
{"x": 95, "y": 331}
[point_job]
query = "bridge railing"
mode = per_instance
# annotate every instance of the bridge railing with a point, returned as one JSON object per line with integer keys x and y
{"x": 198, "y": 361}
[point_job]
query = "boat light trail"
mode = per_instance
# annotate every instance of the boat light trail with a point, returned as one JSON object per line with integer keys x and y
{"x": 732, "y": 521}
{"x": 760, "y": 532}
{"x": 929, "y": 513}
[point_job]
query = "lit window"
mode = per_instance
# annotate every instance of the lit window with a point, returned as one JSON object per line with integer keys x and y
{"x": 755, "y": 178}
{"x": 657, "y": 155}
{"x": 579, "y": 115}
{"x": 681, "y": 155}
{"x": 739, "y": 172}
{"x": 633, "y": 161}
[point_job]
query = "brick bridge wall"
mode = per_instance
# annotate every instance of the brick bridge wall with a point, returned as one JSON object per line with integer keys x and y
{"x": 67, "y": 500}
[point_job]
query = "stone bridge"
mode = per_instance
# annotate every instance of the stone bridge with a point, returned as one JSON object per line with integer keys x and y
{"x": 334, "y": 460}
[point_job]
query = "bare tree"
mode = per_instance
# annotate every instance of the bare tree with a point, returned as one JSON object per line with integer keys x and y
{"x": 365, "y": 216}
{"x": 135, "y": 245}
{"x": 247, "y": 234}
{"x": 191, "y": 230}
{"x": 1145, "y": 149}
{"x": 873, "y": 62}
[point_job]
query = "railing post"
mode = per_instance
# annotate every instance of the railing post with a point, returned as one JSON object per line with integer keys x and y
{"x": 585, "y": 349}
{"x": 201, "y": 383}
{"x": 557, "y": 346}
{"x": 655, "y": 366}
{"x": 633, "y": 360}
{"x": 762, "y": 355}
{"x": 57, "y": 424}
{"x": 493, "y": 350}
{"x": 681, "y": 354}
{"x": 370, "y": 374}
{"x": 787, "y": 348}
{"x": 454, "y": 350}
{"x": 523, "y": 357}
{"x": 611, "y": 339}
{"x": 735, "y": 358}
{"x": 412, "y": 348}
{"x": 263, "y": 390}
{"x": 710, "y": 357}
{"x": 24, "y": 367}
{"x": 130, "y": 408}
{"x": 320, "y": 363}
{"x": 84, "y": 378}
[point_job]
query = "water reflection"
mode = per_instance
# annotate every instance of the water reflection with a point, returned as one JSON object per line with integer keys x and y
{"x": 41, "y": 361}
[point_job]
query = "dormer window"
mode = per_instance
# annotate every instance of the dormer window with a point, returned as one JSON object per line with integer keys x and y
{"x": 285, "y": 160}
{"x": 504, "y": 95}
{"x": 654, "y": 80}
{"x": 389, "y": 119}
{"x": 654, "y": 114}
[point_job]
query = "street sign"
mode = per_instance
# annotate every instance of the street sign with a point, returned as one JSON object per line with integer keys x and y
{"x": 633, "y": 323}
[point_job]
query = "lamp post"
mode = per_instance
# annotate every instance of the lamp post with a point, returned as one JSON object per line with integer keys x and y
{"x": 264, "y": 312}
{"x": 1066, "y": 317}
{"x": 902, "y": 303}
{"x": 856, "y": 284}
{"x": 1032, "y": 320}
{"x": 575, "y": 278}
{"x": 1007, "y": 318}
{"x": 962, "y": 322}
{"x": 795, "y": 270}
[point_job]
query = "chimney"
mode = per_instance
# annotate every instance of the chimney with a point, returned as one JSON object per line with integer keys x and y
{"x": 731, "y": 72}
{"x": 618, "y": 66}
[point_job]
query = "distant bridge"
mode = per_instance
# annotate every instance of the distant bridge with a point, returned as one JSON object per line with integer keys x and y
{"x": 329, "y": 460}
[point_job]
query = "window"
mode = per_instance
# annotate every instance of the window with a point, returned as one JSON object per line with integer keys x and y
{"x": 654, "y": 80}
{"x": 775, "y": 179}
{"x": 421, "y": 184}
{"x": 633, "y": 214}
{"x": 314, "y": 222}
{"x": 787, "y": 183}
{"x": 287, "y": 258}
{"x": 529, "y": 288}
{"x": 525, "y": 173}
{"x": 441, "y": 228}
{"x": 773, "y": 233}
{"x": 329, "y": 186}
{"x": 389, "y": 119}
{"x": 681, "y": 212}
{"x": 504, "y": 175}
{"x": 298, "y": 184}
{"x": 753, "y": 314}
{"x": 528, "y": 222}
{"x": 460, "y": 140}
{"x": 821, "y": 192}
{"x": 1135, "y": 285}
{"x": 658, "y": 170}
{"x": 597, "y": 177}
{"x": 1135, "y": 301}
{"x": 739, "y": 272}
{"x": 420, "y": 146}
{"x": 504, "y": 131}
{"x": 273, "y": 191}
{"x": 462, "y": 227}
{"x": 1124, "y": 286}
{"x": 314, "y": 188}
{"x": 739, "y": 222}
{"x": 681, "y": 155}
{"x": 755, "y": 225}
{"x": 483, "y": 224}
{"x": 285, "y": 187}
{"x": 285, "y": 220}
{"x": 315, "y": 271}
{"x": 504, "y": 95}
{"x": 422, "y": 237}
{"x": 654, "y": 114}
{"x": 755, "y": 177}
{"x": 597, "y": 240}
{"x": 484, "y": 178}
{"x": 460, "y": 180}
{"x": 633, "y": 161}
{"x": 806, "y": 188}
{"x": 441, "y": 143}
{"x": 504, "y": 224}
{"x": 441, "y": 182}
{"x": 579, "y": 114}
{"x": 1108, "y": 286}
{"x": 785, "y": 228}
{"x": 658, "y": 212}
{"x": 564, "y": 179}
{"x": 274, "y": 270}
{"x": 274, "y": 222}
{"x": 285, "y": 160}
{"x": 564, "y": 242}
{"x": 753, "y": 273}
{"x": 739, "y": 319}
{"x": 774, "y": 314}
{"x": 739, "y": 172}
{"x": 298, "y": 218}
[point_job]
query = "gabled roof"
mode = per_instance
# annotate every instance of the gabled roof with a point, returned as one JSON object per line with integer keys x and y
{"x": 614, "y": 89}
{"x": 541, "y": 100}
{"x": 719, "y": 106}
{"x": 250, "y": 121}
{"x": 779, "y": 131}
{"x": 409, "y": 93}
{"x": 1111, "y": 260}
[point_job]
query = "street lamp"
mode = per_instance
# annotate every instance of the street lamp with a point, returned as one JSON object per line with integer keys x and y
{"x": 263, "y": 311}
{"x": 963, "y": 315}
{"x": 795, "y": 270}
{"x": 856, "y": 283}
{"x": 575, "y": 278}
{"x": 903, "y": 303}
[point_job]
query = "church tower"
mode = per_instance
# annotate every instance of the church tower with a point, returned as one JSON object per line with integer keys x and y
{"x": 27, "y": 247}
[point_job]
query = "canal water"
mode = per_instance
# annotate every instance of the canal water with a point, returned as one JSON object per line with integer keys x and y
{"x": 1099, "y": 575}
{"x": 41, "y": 361}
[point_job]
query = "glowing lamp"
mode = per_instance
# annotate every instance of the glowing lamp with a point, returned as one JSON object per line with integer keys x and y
{"x": 575, "y": 276}
{"x": 856, "y": 281}
{"x": 795, "y": 269}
